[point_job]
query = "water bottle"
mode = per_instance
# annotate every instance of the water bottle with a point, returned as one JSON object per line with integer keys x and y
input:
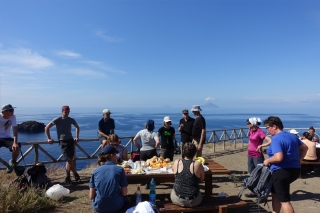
{"x": 138, "y": 195}
{"x": 152, "y": 198}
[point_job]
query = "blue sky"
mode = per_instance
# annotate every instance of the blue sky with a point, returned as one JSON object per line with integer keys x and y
{"x": 154, "y": 53}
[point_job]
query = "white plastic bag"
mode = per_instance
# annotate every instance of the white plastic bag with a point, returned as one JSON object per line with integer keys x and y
{"x": 142, "y": 207}
{"x": 57, "y": 191}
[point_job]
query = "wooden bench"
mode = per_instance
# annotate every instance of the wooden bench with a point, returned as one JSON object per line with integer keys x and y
{"x": 308, "y": 163}
{"x": 209, "y": 204}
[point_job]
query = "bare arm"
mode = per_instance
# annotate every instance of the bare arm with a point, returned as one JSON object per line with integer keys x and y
{"x": 15, "y": 138}
{"x": 47, "y": 131}
{"x": 202, "y": 138}
{"x": 199, "y": 171}
{"x": 77, "y": 132}
{"x": 124, "y": 191}
{"x": 102, "y": 134}
{"x": 135, "y": 141}
{"x": 276, "y": 158}
{"x": 268, "y": 139}
{"x": 92, "y": 193}
{"x": 303, "y": 151}
{"x": 157, "y": 143}
{"x": 125, "y": 155}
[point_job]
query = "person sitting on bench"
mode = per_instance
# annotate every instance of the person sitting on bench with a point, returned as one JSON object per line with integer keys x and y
{"x": 311, "y": 155}
{"x": 188, "y": 174}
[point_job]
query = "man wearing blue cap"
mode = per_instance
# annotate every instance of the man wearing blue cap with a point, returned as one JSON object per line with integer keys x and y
{"x": 8, "y": 120}
{"x": 198, "y": 130}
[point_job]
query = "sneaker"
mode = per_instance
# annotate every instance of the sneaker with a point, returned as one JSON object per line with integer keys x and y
{"x": 10, "y": 166}
{"x": 68, "y": 180}
{"x": 77, "y": 178}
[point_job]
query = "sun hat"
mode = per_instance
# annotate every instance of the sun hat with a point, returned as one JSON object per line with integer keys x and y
{"x": 109, "y": 150}
{"x": 185, "y": 111}
{"x": 196, "y": 108}
{"x": 167, "y": 119}
{"x": 293, "y": 131}
{"x": 7, "y": 107}
{"x": 106, "y": 111}
{"x": 64, "y": 108}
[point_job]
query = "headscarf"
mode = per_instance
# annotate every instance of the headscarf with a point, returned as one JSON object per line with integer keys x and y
{"x": 150, "y": 124}
{"x": 255, "y": 121}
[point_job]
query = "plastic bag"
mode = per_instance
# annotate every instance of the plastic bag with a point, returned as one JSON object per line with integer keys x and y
{"x": 57, "y": 191}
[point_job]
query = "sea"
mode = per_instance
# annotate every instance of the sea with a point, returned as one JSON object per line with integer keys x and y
{"x": 129, "y": 121}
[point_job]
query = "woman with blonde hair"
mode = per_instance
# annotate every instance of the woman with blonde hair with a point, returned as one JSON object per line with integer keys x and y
{"x": 113, "y": 140}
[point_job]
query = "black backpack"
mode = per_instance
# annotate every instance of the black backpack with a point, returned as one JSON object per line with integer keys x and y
{"x": 259, "y": 182}
{"x": 37, "y": 175}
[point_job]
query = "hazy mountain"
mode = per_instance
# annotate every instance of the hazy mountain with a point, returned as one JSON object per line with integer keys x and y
{"x": 209, "y": 105}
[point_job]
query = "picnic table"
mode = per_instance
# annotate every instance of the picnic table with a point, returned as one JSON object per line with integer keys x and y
{"x": 214, "y": 169}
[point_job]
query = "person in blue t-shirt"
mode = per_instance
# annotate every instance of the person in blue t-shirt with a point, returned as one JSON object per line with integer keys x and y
{"x": 105, "y": 127}
{"x": 285, "y": 153}
{"x": 108, "y": 183}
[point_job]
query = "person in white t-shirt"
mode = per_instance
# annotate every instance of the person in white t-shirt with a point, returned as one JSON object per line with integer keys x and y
{"x": 8, "y": 120}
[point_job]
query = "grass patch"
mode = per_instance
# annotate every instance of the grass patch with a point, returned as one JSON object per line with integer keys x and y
{"x": 31, "y": 200}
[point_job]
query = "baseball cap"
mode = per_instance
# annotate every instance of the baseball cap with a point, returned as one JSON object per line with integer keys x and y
{"x": 196, "y": 108}
{"x": 109, "y": 150}
{"x": 293, "y": 131}
{"x": 167, "y": 119}
{"x": 185, "y": 111}
{"x": 64, "y": 108}
{"x": 7, "y": 107}
{"x": 150, "y": 124}
{"x": 106, "y": 111}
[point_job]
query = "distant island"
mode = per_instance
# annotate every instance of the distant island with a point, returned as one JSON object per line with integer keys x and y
{"x": 31, "y": 126}
{"x": 209, "y": 105}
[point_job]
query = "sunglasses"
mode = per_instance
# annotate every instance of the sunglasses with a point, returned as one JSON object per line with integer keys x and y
{"x": 10, "y": 110}
{"x": 114, "y": 144}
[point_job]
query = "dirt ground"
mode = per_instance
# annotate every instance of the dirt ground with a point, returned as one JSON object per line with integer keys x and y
{"x": 305, "y": 192}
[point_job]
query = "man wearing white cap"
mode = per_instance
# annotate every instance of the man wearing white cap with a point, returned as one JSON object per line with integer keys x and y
{"x": 167, "y": 133}
{"x": 295, "y": 132}
{"x": 198, "y": 130}
{"x": 8, "y": 120}
{"x": 105, "y": 127}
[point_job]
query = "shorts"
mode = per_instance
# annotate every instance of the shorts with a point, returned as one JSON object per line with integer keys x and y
{"x": 6, "y": 142}
{"x": 167, "y": 153}
{"x": 67, "y": 148}
{"x": 281, "y": 180}
{"x": 253, "y": 162}
{"x": 101, "y": 138}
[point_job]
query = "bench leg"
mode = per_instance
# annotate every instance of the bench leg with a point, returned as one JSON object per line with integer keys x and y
{"x": 223, "y": 209}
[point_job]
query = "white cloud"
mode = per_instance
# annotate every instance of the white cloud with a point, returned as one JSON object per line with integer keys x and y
{"x": 102, "y": 66}
{"x": 107, "y": 38}
{"x": 68, "y": 53}
{"x": 87, "y": 72}
{"x": 209, "y": 99}
{"x": 24, "y": 57}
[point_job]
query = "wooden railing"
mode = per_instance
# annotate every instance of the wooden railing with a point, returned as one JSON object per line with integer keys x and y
{"x": 237, "y": 137}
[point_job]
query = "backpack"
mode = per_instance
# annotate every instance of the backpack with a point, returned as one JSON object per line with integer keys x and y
{"x": 259, "y": 182}
{"x": 37, "y": 175}
{"x": 21, "y": 183}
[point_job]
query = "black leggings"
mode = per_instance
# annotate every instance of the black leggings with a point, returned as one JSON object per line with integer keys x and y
{"x": 147, "y": 154}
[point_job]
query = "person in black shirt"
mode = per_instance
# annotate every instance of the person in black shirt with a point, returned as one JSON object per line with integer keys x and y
{"x": 167, "y": 134}
{"x": 185, "y": 127}
{"x": 198, "y": 130}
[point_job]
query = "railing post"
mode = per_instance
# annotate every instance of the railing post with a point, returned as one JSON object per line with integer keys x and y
{"x": 36, "y": 153}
